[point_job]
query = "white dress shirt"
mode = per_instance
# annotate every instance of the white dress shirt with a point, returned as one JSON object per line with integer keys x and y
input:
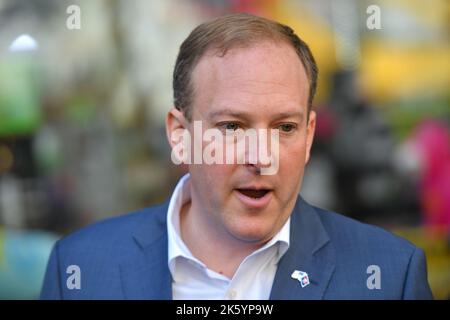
{"x": 193, "y": 280}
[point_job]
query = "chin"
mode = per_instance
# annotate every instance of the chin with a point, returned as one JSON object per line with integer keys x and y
{"x": 249, "y": 230}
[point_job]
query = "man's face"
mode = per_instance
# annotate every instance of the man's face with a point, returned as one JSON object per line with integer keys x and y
{"x": 260, "y": 87}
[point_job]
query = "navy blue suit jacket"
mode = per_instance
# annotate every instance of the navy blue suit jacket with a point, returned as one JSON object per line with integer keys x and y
{"x": 126, "y": 258}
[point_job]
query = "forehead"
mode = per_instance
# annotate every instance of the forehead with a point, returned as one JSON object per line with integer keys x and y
{"x": 265, "y": 77}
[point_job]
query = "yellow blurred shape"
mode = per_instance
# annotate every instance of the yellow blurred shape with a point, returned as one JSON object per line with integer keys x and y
{"x": 391, "y": 72}
{"x": 317, "y": 34}
{"x": 6, "y": 159}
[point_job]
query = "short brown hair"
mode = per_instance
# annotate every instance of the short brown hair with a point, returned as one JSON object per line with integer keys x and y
{"x": 230, "y": 31}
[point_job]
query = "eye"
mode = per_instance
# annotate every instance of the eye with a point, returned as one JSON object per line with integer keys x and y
{"x": 231, "y": 126}
{"x": 287, "y": 127}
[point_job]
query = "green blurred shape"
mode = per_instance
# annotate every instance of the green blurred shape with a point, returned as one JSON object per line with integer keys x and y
{"x": 404, "y": 116}
{"x": 20, "y": 113}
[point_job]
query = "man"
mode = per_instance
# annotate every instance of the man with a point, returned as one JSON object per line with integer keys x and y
{"x": 229, "y": 231}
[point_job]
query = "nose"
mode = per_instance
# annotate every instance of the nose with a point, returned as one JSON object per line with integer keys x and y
{"x": 259, "y": 151}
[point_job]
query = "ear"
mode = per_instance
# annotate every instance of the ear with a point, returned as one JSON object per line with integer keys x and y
{"x": 175, "y": 121}
{"x": 310, "y": 133}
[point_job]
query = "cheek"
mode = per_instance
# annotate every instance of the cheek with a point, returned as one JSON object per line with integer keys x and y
{"x": 213, "y": 178}
{"x": 292, "y": 165}
{"x": 293, "y": 155}
{"x": 212, "y": 184}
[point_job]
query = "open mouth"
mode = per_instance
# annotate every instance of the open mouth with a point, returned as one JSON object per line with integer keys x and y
{"x": 253, "y": 193}
{"x": 254, "y": 199}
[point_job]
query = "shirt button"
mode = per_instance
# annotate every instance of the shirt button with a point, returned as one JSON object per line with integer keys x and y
{"x": 232, "y": 294}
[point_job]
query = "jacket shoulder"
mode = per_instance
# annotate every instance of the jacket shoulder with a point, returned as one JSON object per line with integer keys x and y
{"x": 114, "y": 232}
{"x": 368, "y": 258}
{"x": 350, "y": 233}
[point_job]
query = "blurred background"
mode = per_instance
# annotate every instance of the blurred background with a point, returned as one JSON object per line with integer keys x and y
{"x": 85, "y": 86}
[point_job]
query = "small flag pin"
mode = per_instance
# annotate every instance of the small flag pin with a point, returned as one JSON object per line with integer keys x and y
{"x": 301, "y": 276}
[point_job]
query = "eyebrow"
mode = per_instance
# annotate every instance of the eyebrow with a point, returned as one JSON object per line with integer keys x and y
{"x": 247, "y": 116}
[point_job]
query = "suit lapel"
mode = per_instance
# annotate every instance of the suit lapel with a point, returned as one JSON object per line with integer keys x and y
{"x": 146, "y": 275}
{"x": 310, "y": 251}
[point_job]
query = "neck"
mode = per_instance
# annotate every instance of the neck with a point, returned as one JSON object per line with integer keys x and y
{"x": 219, "y": 251}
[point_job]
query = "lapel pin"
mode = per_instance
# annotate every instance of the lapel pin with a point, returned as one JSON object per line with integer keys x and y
{"x": 301, "y": 276}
